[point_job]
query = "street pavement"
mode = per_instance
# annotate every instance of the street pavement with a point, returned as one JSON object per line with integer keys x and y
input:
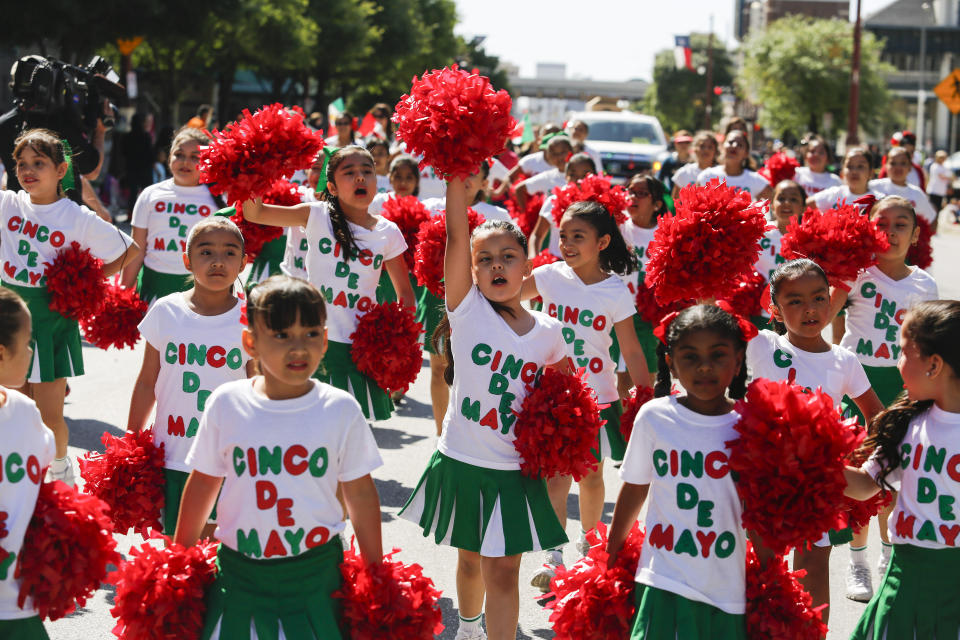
{"x": 100, "y": 399}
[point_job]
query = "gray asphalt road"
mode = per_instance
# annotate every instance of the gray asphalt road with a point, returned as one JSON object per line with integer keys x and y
{"x": 100, "y": 399}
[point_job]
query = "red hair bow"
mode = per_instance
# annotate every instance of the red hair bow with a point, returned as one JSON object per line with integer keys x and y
{"x": 747, "y": 329}
{"x": 866, "y": 201}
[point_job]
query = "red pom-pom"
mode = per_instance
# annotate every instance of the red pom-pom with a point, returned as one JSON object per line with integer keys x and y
{"x": 75, "y": 282}
{"x": 594, "y": 188}
{"x": 638, "y": 397}
{"x": 431, "y": 245}
{"x": 789, "y": 459}
{"x": 386, "y": 346}
{"x": 160, "y": 592}
{"x": 842, "y": 241}
{"x": 66, "y": 550}
{"x": 921, "y": 254}
{"x": 116, "y": 325}
{"x": 779, "y": 166}
{"x": 703, "y": 250}
{"x": 128, "y": 476}
{"x": 859, "y": 512}
{"x": 527, "y": 218}
{"x": 455, "y": 120}
{"x": 245, "y": 159}
{"x": 592, "y": 599}
{"x": 542, "y": 258}
{"x": 408, "y": 213}
{"x": 557, "y": 426}
{"x": 746, "y": 297}
{"x": 777, "y": 606}
{"x": 282, "y": 193}
{"x": 387, "y": 600}
{"x": 651, "y": 310}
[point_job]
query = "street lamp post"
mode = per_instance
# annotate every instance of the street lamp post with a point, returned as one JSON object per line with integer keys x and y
{"x": 853, "y": 137}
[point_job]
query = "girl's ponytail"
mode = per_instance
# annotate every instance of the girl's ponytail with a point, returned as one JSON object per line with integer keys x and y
{"x": 661, "y": 387}
{"x": 889, "y": 428}
{"x": 616, "y": 257}
{"x": 341, "y": 227}
{"x": 441, "y": 344}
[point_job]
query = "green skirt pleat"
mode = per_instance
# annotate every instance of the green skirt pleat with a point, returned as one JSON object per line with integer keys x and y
{"x": 294, "y": 593}
{"x": 648, "y": 341}
{"x": 455, "y": 503}
{"x": 887, "y": 383}
{"x": 338, "y": 369}
{"x": 267, "y": 262}
{"x": 174, "y": 482}
{"x": 23, "y": 629}
{"x": 55, "y": 339}
{"x": 610, "y": 442}
{"x": 663, "y": 615}
{"x": 919, "y": 597}
{"x": 430, "y": 312}
{"x": 153, "y": 285}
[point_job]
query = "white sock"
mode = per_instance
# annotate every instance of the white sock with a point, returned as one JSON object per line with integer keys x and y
{"x": 471, "y": 625}
{"x": 583, "y": 536}
{"x": 885, "y": 550}
{"x": 59, "y": 464}
{"x": 858, "y": 555}
{"x": 556, "y": 555}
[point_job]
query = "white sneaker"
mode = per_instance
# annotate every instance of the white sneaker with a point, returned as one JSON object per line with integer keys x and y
{"x": 542, "y": 576}
{"x": 859, "y": 587}
{"x": 882, "y": 565}
{"x": 463, "y": 634}
{"x": 64, "y": 475}
{"x": 583, "y": 546}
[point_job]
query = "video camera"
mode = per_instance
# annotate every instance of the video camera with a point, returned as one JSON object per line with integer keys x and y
{"x": 49, "y": 87}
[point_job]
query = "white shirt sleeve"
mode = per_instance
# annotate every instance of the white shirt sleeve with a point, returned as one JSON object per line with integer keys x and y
{"x": 546, "y": 211}
{"x": 205, "y": 455}
{"x": 857, "y": 381}
{"x": 150, "y": 325}
{"x": 141, "y": 210}
{"x": 103, "y": 239}
{"x": 637, "y": 467}
{"x": 359, "y": 454}
{"x": 395, "y": 244}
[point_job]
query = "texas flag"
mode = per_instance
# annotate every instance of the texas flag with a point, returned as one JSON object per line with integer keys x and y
{"x": 682, "y": 53}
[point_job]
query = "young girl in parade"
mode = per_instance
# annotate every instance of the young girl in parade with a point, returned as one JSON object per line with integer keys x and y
{"x": 796, "y": 351}
{"x": 278, "y": 517}
{"x": 295, "y": 251}
{"x": 380, "y": 150}
{"x": 473, "y": 496}
{"x": 347, "y": 249}
{"x": 857, "y": 171}
{"x": 898, "y": 168}
{"x": 583, "y": 292}
{"x": 688, "y": 589}
{"x": 705, "y": 154}
{"x": 24, "y": 437}
{"x": 813, "y": 176}
{"x": 733, "y": 169}
{"x": 558, "y": 151}
{"x": 37, "y": 223}
{"x": 788, "y": 200}
{"x": 193, "y": 347}
{"x": 577, "y": 168}
{"x": 917, "y": 446}
{"x": 877, "y": 303}
{"x": 404, "y": 179}
{"x": 162, "y": 218}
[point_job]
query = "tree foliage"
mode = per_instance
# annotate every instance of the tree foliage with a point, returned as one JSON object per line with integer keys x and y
{"x": 798, "y": 69}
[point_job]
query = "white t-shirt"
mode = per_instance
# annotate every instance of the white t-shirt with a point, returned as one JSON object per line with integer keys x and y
{"x": 546, "y": 212}
{"x": 383, "y": 184}
{"x": 498, "y": 171}
{"x": 638, "y": 239}
{"x": 168, "y": 212}
{"x": 747, "y": 181}
{"x": 832, "y": 197}
{"x": 695, "y": 545}
{"x": 493, "y": 367}
{"x": 376, "y": 207}
{"x": 26, "y": 448}
{"x": 302, "y": 448}
{"x": 294, "y": 262}
{"x": 588, "y": 313}
{"x": 534, "y": 163}
{"x": 813, "y": 182}
{"x": 33, "y": 234}
{"x": 837, "y": 372}
{"x": 350, "y": 288}
{"x": 487, "y": 210}
{"x": 686, "y": 174}
{"x": 928, "y": 481}
{"x": 877, "y": 308}
{"x": 769, "y": 258}
{"x": 913, "y": 193}
{"x": 197, "y": 355}
{"x": 545, "y": 182}
{"x": 940, "y": 179}
{"x": 431, "y": 185}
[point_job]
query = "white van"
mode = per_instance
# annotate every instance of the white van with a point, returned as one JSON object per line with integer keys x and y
{"x": 627, "y": 142}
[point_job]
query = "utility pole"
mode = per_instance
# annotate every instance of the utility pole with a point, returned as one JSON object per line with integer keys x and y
{"x": 921, "y": 92}
{"x": 853, "y": 137}
{"x": 709, "y": 102}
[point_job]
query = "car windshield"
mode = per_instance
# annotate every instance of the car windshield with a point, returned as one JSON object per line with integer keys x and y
{"x": 621, "y": 131}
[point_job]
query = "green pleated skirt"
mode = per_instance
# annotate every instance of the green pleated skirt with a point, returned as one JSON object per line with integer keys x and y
{"x": 23, "y": 629}
{"x": 610, "y": 442}
{"x": 267, "y": 262}
{"x": 886, "y": 381}
{"x": 338, "y": 369}
{"x": 430, "y": 312}
{"x": 55, "y": 339}
{"x": 663, "y": 615}
{"x": 153, "y": 285}
{"x": 648, "y": 342}
{"x": 293, "y": 593}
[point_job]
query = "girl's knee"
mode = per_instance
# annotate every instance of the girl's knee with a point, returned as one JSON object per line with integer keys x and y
{"x": 468, "y": 562}
{"x": 501, "y": 572}
{"x": 593, "y": 480}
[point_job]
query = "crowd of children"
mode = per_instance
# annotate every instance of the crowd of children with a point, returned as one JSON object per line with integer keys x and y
{"x": 229, "y": 377}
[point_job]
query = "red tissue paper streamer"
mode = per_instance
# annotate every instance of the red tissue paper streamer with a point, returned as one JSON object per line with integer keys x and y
{"x": 746, "y": 297}
{"x": 160, "y": 591}
{"x": 66, "y": 550}
{"x": 842, "y": 241}
{"x": 408, "y": 213}
{"x": 116, "y": 325}
{"x": 592, "y": 599}
{"x": 526, "y": 219}
{"x": 651, "y": 310}
{"x": 777, "y": 606}
{"x": 282, "y": 193}
{"x": 386, "y": 346}
{"x": 455, "y": 120}
{"x": 778, "y": 167}
{"x": 431, "y": 246}
{"x": 703, "y": 250}
{"x": 859, "y": 512}
{"x": 128, "y": 476}
{"x": 245, "y": 159}
{"x": 639, "y": 396}
{"x": 542, "y": 258}
{"x": 75, "y": 282}
{"x": 921, "y": 254}
{"x": 387, "y": 600}
{"x": 557, "y": 426}
{"x": 614, "y": 198}
{"x": 789, "y": 460}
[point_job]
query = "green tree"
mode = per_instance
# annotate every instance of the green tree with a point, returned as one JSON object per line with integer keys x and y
{"x": 677, "y": 96}
{"x": 798, "y": 69}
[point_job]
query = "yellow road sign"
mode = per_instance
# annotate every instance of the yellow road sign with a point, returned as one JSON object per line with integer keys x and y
{"x": 949, "y": 91}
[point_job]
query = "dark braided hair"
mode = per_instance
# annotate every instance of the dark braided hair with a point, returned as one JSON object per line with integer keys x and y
{"x": 338, "y": 219}
{"x": 616, "y": 257}
{"x": 701, "y": 317}
{"x": 790, "y": 271}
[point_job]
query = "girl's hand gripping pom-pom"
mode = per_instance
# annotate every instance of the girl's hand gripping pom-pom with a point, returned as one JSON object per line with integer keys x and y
{"x": 777, "y": 606}
{"x": 921, "y": 253}
{"x": 527, "y": 218}
{"x": 160, "y": 591}
{"x": 639, "y": 396}
{"x": 282, "y": 193}
{"x": 431, "y": 246}
{"x": 594, "y": 188}
{"x": 557, "y": 427}
{"x": 128, "y": 477}
{"x": 703, "y": 250}
{"x": 408, "y": 213}
{"x": 789, "y": 460}
{"x": 75, "y": 283}
{"x": 592, "y": 599}
{"x": 66, "y": 550}
{"x": 386, "y": 346}
{"x": 245, "y": 159}
{"x": 387, "y": 600}
{"x": 455, "y": 120}
{"x": 859, "y": 512}
{"x": 116, "y": 325}
{"x": 778, "y": 167}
